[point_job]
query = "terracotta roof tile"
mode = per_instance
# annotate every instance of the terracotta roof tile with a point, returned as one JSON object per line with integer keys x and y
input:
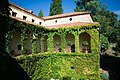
{"x": 70, "y": 25}
{"x": 65, "y": 15}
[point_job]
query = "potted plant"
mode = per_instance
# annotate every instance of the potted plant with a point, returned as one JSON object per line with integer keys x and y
{"x": 57, "y": 45}
{"x": 85, "y": 45}
{"x": 69, "y": 43}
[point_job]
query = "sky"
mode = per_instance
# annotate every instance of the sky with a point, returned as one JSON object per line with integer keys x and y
{"x": 68, "y": 5}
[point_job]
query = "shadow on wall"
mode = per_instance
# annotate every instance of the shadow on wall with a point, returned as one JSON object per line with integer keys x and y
{"x": 112, "y": 65}
{"x": 11, "y": 70}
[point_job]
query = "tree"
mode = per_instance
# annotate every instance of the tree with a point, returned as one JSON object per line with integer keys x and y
{"x": 100, "y": 13}
{"x": 4, "y": 14}
{"x": 104, "y": 43}
{"x": 81, "y": 5}
{"x": 116, "y": 36}
{"x": 9, "y": 67}
{"x": 56, "y": 7}
{"x": 40, "y": 14}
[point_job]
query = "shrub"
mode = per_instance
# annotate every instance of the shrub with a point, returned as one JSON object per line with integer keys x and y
{"x": 104, "y": 43}
{"x": 69, "y": 43}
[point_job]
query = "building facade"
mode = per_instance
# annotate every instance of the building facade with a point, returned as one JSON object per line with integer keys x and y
{"x": 75, "y": 36}
{"x": 66, "y": 46}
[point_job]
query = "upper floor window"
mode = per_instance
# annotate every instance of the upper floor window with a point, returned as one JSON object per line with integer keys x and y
{"x": 40, "y": 23}
{"x": 14, "y": 14}
{"x": 56, "y": 21}
{"x": 24, "y": 17}
{"x": 70, "y": 19}
{"x": 33, "y": 20}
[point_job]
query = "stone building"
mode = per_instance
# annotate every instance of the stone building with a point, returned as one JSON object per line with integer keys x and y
{"x": 66, "y": 45}
{"x": 73, "y": 38}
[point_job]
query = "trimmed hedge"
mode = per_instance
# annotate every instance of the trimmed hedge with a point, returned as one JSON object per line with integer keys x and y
{"x": 65, "y": 66}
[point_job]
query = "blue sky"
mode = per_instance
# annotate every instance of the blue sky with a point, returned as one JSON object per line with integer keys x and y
{"x": 68, "y": 5}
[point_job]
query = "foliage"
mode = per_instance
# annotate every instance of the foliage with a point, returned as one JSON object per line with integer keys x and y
{"x": 104, "y": 76}
{"x": 4, "y": 14}
{"x": 85, "y": 43}
{"x": 26, "y": 29}
{"x": 104, "y": 43}
{"x": 56, "y": 7}
{"x": 57, "y": 43}
{"x": 4, "y": 8}
{"x": 100, "y": 13}
{"x": 9, "y": 67}
{"x": 40, "y": 14}
{"x": 69, "y": 43}
{"x": 61, "y": 66}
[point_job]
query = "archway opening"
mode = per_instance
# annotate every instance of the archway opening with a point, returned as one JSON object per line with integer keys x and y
{"x": 38, "y": 44}
{"x": 57, "y": 43}
{"x": 84, "y": 42}
{"x": 45, "y": 43}
{"x": 70, "y": 43}
{"x": 16, "y": 44}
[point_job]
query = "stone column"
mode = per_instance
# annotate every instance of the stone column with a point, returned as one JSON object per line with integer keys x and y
{"x": 16, "y": 43}
{"x": 42, "y": 44}
{"x": 76, "y": 43}
{"x": 34, "y": 44}
{"x": 28, "y": 44}
{"x": 38, "y": 44}
{"x": 63, "y": 40}
{"x": 50, "y": 42}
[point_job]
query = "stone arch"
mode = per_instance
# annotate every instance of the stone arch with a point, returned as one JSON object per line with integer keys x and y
{"x": 45, "y": 43}
{"x": 28, "y": 44}
{"x": 84, "y": 42}
{"x": 57, "y": 43}
{"x": 38, "y": 49}
{"x": 16, "y": 44}
{"x": 70, "y": 43}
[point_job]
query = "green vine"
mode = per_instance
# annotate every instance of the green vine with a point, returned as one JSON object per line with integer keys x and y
{"x": 62, "y": 65}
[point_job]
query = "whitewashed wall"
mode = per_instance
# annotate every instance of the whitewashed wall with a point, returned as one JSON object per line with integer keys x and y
{"x": 78, "y": 18}
{"x": 21, "y": 13}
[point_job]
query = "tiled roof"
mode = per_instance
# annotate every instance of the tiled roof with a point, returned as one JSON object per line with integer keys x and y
{"x": 65, "y": 15}
{"x": 70, "y": 25}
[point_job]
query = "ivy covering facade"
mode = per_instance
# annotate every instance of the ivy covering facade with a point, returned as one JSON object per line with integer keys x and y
{"x": 60, "y": 65}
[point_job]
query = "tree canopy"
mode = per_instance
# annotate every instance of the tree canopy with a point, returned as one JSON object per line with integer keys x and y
{"x": 56, "y": 7}
{"x": 40, "y": 14}
{"x": 4, "y": 13}
{"x": 100, "y": 13}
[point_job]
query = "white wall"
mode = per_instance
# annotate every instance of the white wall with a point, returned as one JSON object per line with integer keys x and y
{"x": 76, "y": 18}
{"x": 79, "y": 18}
{"x": 21, "y": 13}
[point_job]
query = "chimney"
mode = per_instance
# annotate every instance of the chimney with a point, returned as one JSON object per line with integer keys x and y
{"x": 30, "y": 11}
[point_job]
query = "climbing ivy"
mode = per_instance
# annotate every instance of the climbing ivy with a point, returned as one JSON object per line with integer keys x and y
{"x": 62, "y": 65}
{"x": 58, "y": 66}
{"x": 25, "y": 29}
